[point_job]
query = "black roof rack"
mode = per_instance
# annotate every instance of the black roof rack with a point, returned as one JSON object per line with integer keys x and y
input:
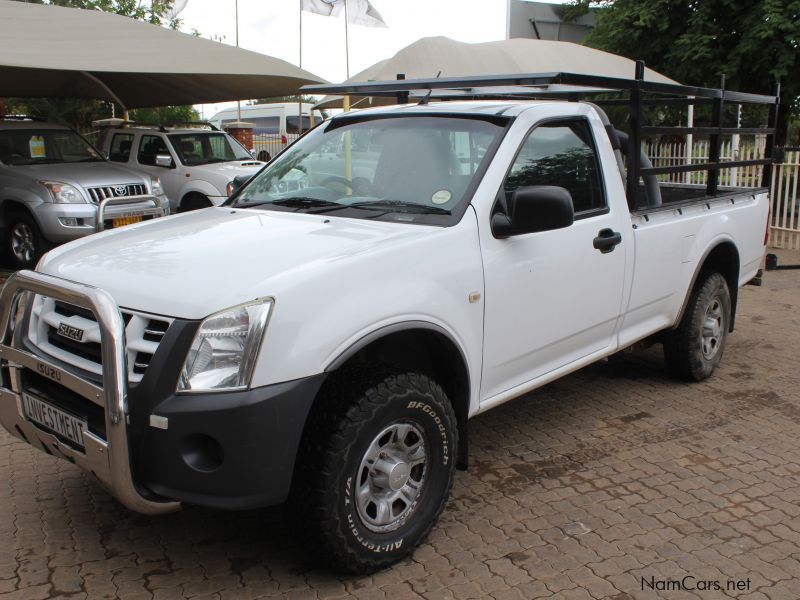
{"x": 21, "y": 118}
{"x": 162, "y": 127}
{"x": 538, "y": 85}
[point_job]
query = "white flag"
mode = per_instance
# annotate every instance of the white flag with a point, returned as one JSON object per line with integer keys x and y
{"x": 326, "y": 8}
{"x": 359, "y": 12}
{"x": 176, "y": 6}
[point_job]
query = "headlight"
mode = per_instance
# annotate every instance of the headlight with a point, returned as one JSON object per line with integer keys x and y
{"x": 155, "y": 186}
{"x": 224, "y": 351}
{"x": 230, "y": 188}
{"x": 63, "y": 193}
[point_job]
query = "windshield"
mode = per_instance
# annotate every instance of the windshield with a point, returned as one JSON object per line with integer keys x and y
{"x": 45, "y": 146}
{"x": 203, "y": 148}
{"x": 407, "y": 168}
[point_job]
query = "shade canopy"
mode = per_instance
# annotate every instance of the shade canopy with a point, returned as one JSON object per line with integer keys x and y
{"x": 52, "y": 51}
{"x": 426, "y": 57}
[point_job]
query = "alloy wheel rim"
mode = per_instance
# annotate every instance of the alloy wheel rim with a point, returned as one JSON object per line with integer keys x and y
{"x": 22, "y": 244}
{"x": 713, "y": 328}
{"x": 391, "y": 477}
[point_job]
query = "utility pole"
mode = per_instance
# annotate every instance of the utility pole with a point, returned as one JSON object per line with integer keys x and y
{"x": 238, "y": 102}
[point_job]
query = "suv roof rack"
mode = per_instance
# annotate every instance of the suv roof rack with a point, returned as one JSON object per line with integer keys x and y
{"x": 578, "y": 87}
{"x": 21, "y": 118}
{"x": 162, "y": 127}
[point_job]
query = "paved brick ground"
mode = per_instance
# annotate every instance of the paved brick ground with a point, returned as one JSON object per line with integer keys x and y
{"x": 578, "y": 491}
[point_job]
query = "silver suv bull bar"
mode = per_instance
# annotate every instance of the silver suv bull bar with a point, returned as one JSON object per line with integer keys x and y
{"x": 155, "y": 209}
{"x": 109, "y": 459}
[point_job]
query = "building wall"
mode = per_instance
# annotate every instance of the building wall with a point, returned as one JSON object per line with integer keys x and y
{"x": 540, "y": 20}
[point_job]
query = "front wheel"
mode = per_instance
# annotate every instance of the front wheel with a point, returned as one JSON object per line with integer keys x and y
{"x": 694, "y": 349}
{"x": 194, "y": 202}
{"x": 377, "y": 468}
{"x": 24, "y": 241}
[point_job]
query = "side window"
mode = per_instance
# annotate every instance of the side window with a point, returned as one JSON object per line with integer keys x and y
{"x": 151, "y": 146}
{"x": 292, "y": 123}
{"x": 267, "y": 125}
{"x": 560, "y": 153}
{"x": 120, "y": 150}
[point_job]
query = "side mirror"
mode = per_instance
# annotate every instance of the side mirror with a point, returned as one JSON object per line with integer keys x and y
{"x": 236, "y": 183}
{"x": 164, "y": 160}
{"x": 535, "y": 208}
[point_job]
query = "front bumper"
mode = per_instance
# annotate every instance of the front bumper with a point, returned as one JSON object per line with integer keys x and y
{"x": 51, "y": 216}
{"x": 232, "y": 450}
{"x": 107, "y": 458}
{"x": 150, "y": 447}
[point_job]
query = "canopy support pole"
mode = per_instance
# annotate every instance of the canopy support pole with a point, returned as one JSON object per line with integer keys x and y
{"x": 108, "y": 91}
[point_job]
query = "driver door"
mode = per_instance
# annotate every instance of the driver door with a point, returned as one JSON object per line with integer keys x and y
{"x": 552, "y": 298}
{"x": 148, "y": 148}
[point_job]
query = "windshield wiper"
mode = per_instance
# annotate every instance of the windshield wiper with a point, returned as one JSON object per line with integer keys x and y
{"x": 294, "y": 202}
{"x": 401, "y": 204}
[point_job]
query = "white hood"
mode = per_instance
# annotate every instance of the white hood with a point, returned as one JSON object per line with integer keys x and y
{"x": 194, "y": 264}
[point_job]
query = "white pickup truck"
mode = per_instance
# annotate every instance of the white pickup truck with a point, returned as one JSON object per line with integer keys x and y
{"x": 325, "y": 336}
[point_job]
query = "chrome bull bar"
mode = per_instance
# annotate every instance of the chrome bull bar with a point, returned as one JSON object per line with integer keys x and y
{"x": 109, "y": 459}
{"x": 144, "y": 211}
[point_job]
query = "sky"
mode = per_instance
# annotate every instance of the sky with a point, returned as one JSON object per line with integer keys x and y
{"x": 272, "y": 27}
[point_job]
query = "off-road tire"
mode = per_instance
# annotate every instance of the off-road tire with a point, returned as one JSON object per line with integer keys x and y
{"x": 684, "y": 346}
{"x": 20, "y": 223}
{"x": 355, "y": 408}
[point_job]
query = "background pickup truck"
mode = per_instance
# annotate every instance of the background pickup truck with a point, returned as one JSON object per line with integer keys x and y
{"x": 327, "y": 341}
{"x": 196, "y": 163}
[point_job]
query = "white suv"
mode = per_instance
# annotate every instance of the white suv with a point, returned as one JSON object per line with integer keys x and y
{"x": 196, "y": 165}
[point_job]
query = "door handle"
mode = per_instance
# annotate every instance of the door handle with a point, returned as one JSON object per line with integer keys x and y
{"x": 607, "y": 240}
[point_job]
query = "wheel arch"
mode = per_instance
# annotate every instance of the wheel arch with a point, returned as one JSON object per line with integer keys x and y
{"x": 198, "y": 187}
{"x": 723, "y": 258}
{"x": 423, "y": 347}
{"x": 9, "y": 206}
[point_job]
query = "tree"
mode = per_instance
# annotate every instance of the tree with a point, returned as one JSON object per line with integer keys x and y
{"x": 155, "y": 12}
{"x": 305, "y": 99}
{"x": 80, "y": 113}
{"x": 754, "y": 42}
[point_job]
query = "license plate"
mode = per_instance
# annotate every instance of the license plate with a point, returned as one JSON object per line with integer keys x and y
{"x": 54, "y": 419}
{"x": 122, "y": 221}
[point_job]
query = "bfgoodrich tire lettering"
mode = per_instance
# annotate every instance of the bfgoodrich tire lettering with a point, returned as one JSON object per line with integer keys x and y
{"x": 694, "y": 349}
{"x": 403, "y": 420}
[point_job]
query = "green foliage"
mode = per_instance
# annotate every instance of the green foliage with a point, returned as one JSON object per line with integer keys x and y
{"x": 276, "y": 99}
{"x": 152, "y": 12}
{"x": 753, "y": 42}
{"x": 165, "y": 114}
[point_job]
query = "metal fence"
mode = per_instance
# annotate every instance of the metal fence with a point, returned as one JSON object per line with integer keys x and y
{"x": 267, "y": 145}
{"x": 785, "y": 220}
{"x": 785, "y": 213}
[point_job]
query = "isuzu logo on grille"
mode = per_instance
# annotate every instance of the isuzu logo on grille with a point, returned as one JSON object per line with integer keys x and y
{"x": 68, "y": 331}
{"x": 121, "y": 190}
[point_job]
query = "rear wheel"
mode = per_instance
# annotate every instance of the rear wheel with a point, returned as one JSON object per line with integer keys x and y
{"x": 694, "y": 349}
{"x": 376, "y": 469}
{"x": 24, "y": 241}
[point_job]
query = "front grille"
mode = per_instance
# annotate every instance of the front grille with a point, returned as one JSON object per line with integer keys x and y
{"x": 143, "y": 334}
{"x": 98, "y": 194}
